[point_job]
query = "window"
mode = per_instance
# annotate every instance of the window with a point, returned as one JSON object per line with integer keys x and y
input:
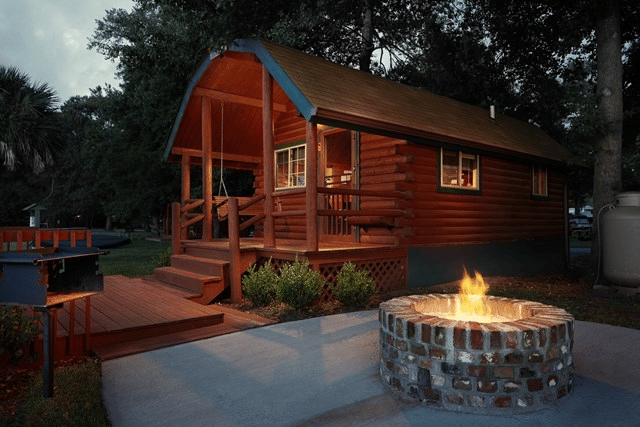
{"x": 290, "y": 167}
{"x": 539, "y": 181}
{"x": 459, "y": 170}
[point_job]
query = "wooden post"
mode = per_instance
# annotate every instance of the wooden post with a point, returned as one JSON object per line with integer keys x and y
{"x": 267, "y": 155}
{"x": 72, "y": 326}
{"x": 175, "y": 228}
{"x": 186, "y": 190}
{"x": 311, "y": 181}
{"x": 207, "y": 170}
{"x": 234, "y": 248}
{"x": 87, "y": 324}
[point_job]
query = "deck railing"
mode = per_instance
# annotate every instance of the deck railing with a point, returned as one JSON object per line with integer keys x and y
{"x": 23, "y": 238}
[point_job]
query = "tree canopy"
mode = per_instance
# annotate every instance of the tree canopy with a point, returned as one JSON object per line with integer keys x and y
{"x": 30, "y": 130}
{"x": 534, "y": 60}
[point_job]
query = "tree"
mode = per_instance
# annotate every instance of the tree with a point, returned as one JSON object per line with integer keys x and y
{"x": 30, "y": 129}
{"x": 608, "y": 163}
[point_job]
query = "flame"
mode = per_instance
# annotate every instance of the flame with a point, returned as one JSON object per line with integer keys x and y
{"x": 471, "y": 298}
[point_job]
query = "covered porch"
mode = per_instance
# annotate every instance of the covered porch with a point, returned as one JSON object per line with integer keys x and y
{"x": 239, "y": 112}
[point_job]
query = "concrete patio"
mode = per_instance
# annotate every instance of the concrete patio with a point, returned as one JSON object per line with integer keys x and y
{"x": 324, "y": 371}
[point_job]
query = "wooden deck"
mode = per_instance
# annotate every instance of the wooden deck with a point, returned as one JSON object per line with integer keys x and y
{"x": 141, "y": 314}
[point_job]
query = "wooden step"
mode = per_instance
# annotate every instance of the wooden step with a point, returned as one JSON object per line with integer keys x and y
{"x": 168, "y": 335}
{"x": 205, "y": 288}
{"x": 207, "y": 252}
{"x": 204, "y": 266}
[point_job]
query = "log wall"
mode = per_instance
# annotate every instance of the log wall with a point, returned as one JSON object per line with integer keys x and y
{"x": 288, "y": 128}
{"x": 503, "y": 210}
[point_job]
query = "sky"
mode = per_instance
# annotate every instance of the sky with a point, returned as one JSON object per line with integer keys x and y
{"x": 47, "y": 40}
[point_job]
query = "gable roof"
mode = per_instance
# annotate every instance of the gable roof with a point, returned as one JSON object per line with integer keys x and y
{"x": 328, "y": 93}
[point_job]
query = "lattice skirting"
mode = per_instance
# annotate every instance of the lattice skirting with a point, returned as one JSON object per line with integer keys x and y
{"x": 389, "y": 274}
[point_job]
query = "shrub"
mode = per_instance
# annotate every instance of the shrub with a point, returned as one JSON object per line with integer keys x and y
{"x": 299, "y": 286}
{"x": 16, "y": 331}
{"x": 259, "y": 285}
{"x": 354, "y": 288}
{"x": 163, "y": 259}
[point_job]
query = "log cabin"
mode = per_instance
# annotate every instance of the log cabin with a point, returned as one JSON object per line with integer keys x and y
{"x": 350, "y": 166}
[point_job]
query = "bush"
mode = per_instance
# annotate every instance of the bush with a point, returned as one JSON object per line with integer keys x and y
{"x": 354, "y": 288}
{"x": 299, "y": 286}
{"x": 16, "y": 331}
{"x": 259, "y": 285}
{"x": 163, "y": 259}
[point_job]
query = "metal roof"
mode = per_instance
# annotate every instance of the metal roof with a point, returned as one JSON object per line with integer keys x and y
{"x": 324, "y": 92}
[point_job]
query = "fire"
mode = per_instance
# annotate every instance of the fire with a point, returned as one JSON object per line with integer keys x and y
{"x": 471, "y": 299}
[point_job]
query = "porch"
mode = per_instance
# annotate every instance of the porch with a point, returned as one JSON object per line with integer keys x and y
{"x": 208, "y": 268}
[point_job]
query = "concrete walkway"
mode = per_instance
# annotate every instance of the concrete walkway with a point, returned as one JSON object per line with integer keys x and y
{"x": 324, "y": 371}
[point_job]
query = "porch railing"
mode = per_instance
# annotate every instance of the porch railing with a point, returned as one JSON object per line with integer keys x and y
{"x": 343, "y": 209}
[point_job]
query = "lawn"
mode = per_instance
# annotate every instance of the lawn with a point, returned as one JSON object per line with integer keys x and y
{"x": 137, "y": 258}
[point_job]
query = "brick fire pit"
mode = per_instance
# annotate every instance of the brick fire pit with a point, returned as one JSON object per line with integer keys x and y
{"x": 518, "y": 365}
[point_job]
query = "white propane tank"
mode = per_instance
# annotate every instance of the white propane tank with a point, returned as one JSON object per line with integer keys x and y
{"x": 620, "y": 240}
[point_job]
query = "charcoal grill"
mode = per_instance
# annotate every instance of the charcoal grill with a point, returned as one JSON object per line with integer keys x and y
{"x": 46, "y": 278}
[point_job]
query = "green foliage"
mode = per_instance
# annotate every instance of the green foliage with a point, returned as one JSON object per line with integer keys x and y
{"x": 354, "y": 288}
{"x": 299, "y": 286}
{"x": 259, "y": 285}
{"x": 77, "y": 400}
{"x": 139, "y": 258}
{"x": 16, "y": 331}
{"x": 163, "y": 259}
{"x": 30, "y": 128}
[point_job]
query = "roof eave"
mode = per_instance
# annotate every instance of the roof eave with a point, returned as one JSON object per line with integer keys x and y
{"x": 349, "y": 121}
{"x": 258, "y": 48}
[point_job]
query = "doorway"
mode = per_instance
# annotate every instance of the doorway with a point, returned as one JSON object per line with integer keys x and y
{"x": 337, "y": 171}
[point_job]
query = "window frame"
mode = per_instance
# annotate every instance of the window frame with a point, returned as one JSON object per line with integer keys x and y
{"x": 457, "y": 188}
{"x": 538, "y": 171}
{"x": 289, "y": 149}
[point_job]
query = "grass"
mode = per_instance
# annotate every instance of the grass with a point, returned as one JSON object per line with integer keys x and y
{"x": 137, "y": 258}
{"x": 77, "y": 399}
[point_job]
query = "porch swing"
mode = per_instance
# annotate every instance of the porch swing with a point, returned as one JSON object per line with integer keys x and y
{"x": 220, "y": 201}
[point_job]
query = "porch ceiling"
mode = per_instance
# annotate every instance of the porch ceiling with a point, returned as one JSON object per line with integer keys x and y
{"x": 232, "y": 82}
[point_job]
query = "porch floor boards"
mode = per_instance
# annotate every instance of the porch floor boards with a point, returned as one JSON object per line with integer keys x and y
{"x": 133, "y": 315}
{"x": 284, "y": 245}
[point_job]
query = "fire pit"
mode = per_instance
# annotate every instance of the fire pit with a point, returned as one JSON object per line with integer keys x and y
{"x": 516, "y": 359}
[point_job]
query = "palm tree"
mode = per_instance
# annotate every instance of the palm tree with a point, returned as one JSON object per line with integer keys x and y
{"x": 30, "y": 128}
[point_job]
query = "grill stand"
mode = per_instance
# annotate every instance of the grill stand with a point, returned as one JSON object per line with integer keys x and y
{"x": 48, "y": 340}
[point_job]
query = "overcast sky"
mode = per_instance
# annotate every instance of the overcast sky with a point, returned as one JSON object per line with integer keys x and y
{"x": 47, "y": 40}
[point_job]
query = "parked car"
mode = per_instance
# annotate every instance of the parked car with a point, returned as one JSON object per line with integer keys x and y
{"x": 580, "y": 228}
